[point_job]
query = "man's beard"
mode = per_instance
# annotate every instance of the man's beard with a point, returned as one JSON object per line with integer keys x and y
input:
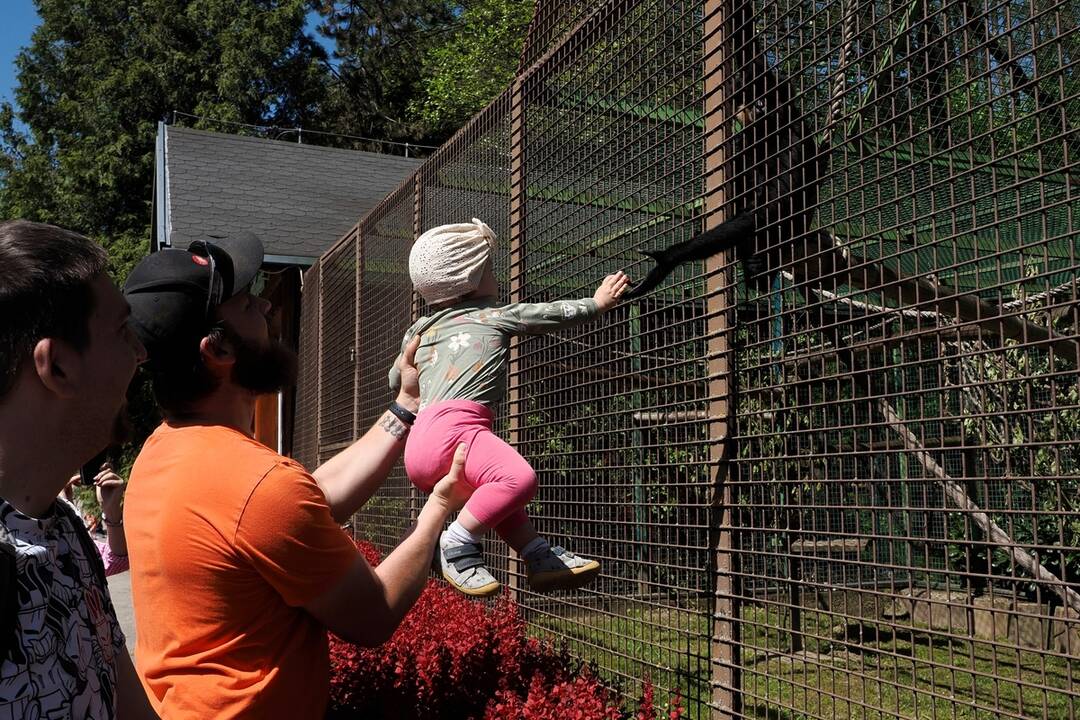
{"x": 263, "y": 369}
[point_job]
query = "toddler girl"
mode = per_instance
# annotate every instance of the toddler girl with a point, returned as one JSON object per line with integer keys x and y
{"x": 464, "y": 348}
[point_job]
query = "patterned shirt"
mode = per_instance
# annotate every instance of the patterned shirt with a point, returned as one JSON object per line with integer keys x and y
{"x": 464, "y": 348}
{"x": 60, "y": 659}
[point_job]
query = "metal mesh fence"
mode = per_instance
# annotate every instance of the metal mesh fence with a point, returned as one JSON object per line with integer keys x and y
{"x": 830, "y": 471}
{"x": 386, "y": 302}
{"x": 306, "y": 428}
{"x": 338, "y": 271}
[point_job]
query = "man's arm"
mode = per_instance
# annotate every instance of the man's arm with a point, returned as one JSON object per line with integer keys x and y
{"x": 131, "y": 700}
{"x": 350, "y": 478}
{"x": 368, "y": 604}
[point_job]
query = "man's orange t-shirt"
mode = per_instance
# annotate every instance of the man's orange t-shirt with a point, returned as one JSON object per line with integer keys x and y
{"x": 228, "y": 540}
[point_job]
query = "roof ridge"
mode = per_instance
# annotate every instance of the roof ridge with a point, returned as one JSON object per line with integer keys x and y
{"x": 294, "y": 146}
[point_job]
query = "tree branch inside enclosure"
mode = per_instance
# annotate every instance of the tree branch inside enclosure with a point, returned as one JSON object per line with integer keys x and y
{"x": 956, "y": 494}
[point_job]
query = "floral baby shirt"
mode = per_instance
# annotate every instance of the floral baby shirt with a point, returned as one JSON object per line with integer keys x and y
{"x": 464, "y": 348}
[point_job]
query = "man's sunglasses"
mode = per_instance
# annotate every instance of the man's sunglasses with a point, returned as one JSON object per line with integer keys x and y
{"x": 217, "y": 283}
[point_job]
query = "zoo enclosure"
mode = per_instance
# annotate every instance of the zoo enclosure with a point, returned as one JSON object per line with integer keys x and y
{"x": 846, "y": 488}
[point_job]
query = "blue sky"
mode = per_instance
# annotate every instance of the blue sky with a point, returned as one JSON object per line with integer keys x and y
{"x": 20, "y": 19}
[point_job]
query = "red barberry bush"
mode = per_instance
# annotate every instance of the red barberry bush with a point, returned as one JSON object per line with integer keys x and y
{"x": 454, "y": 658}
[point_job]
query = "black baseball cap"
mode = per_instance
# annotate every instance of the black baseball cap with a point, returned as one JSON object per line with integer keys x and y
{"x": 173, "y": 292}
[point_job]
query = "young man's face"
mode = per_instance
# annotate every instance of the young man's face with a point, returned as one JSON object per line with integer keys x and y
{"x": 109, "y": 360}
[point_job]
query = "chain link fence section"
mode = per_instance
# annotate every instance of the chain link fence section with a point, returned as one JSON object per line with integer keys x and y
{"x": 832, "y": 472}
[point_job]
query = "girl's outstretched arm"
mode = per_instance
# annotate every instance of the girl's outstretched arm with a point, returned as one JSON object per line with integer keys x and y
{"x": 539, "y": 318}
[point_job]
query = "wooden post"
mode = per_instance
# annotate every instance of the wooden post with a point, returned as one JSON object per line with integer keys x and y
{"x": 720, "y": 324}
{"x": 415, "y": 501}
{"x": 515, "y": 408}
{"x": 358, "y": 274}
{"x": 641, "y": 537}
{"x": 319, "y": 376}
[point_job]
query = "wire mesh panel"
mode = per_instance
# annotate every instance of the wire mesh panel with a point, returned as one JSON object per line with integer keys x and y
{"x": 306, "y": 440}
{"x": 385, "y": 312}
{"x": 907, "y": 365}
{"x": 470, "y": 177}
{"x": 832, "y": 470}
{"x": 338, "y": 279}
{"x": 613, "y": 412}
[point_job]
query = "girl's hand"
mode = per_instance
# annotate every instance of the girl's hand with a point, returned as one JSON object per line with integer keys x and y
{"x": 607, "y": 295}
{"x": 110, "y": 489}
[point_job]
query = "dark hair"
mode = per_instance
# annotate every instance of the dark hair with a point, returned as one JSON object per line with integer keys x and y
{"x": 186, "y": 379}
{"x": 45, "y": 290}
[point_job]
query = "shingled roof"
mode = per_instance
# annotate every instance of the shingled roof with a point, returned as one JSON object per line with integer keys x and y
{"x": 298, "y": 198}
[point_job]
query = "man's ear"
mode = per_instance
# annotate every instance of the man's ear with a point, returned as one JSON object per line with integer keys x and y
{"x": 216, "y": 354}
{"x": 58, "y": 366}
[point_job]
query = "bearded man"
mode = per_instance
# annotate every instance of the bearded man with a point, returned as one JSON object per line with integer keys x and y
{"x": 238, "y": 561}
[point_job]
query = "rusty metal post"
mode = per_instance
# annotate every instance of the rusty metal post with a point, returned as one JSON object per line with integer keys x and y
{"x": 415, "y": 501}
{"x": 358, "y": 274}
{"x": 720, "y": 305}
{"x": 515, "y": 409}
{"x": 319, "y": 375}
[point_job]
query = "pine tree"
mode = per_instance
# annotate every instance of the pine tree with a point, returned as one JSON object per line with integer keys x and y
{"x": 380, "y": 46}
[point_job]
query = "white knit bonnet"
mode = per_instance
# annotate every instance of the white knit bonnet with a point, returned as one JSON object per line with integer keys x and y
{"x": 447, "y": 262}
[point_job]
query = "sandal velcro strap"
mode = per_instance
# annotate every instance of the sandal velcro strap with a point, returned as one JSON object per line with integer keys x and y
{"x": 463, "y": 557}
{"x": 559, "y": 550}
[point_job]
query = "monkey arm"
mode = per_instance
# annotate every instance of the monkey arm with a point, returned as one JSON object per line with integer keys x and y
{"x": 737, "y": 232}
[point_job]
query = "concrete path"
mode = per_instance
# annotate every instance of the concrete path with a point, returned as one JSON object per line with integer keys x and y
{"x": 120, "y": 591}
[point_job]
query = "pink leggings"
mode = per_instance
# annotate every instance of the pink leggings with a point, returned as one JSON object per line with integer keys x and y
{"x": 504, "y": 481}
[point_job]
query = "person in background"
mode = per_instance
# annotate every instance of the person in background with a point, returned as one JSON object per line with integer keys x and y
{"x": 109, "y": 488}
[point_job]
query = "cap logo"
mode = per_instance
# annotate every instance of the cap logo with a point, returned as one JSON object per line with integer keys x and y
{"x": 200, "y": 260}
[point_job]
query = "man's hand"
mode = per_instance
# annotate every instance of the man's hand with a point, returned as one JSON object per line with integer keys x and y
{"x": 110, "y": 492}
{"x": 409, "y": 394}
{"x": 607, "y": 295}
{"x": 452, "y": 491}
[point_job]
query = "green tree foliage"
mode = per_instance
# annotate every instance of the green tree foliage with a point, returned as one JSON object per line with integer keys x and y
{"x": 77, "y": 150}
{"x": 416, "y": 70}
{"x": 98, "y": 76}
{"x": 462, "y": 74}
